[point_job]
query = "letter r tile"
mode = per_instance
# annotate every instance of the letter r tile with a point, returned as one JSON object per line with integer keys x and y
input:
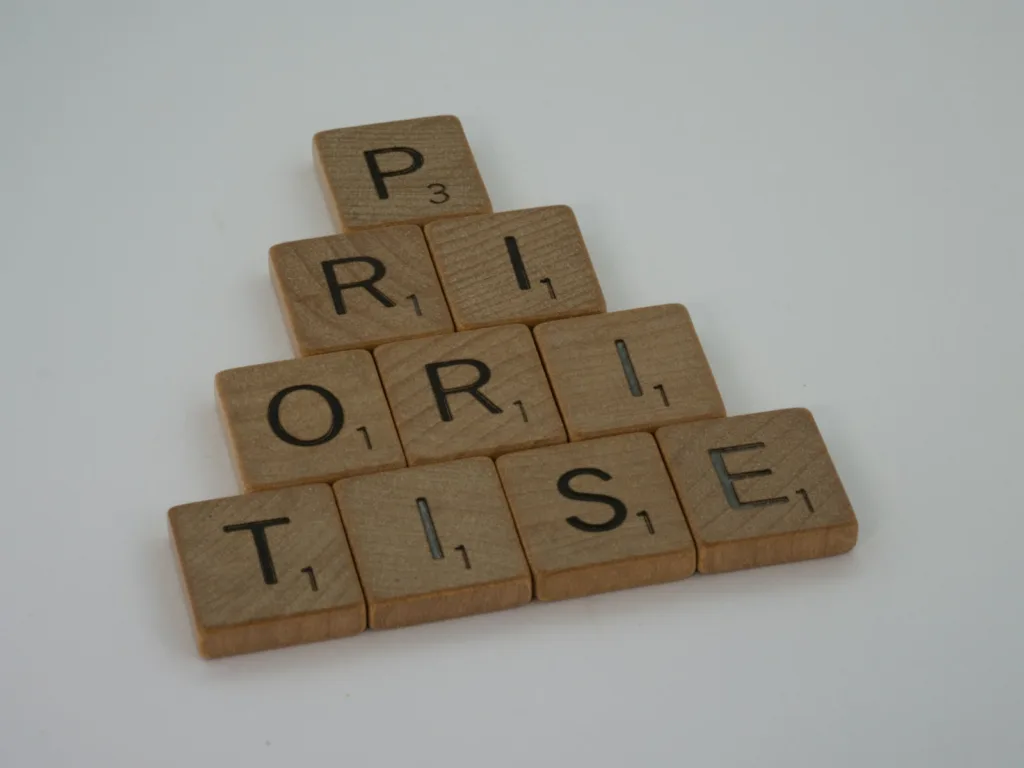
{"x": 267, "y": 570}
{"x": 358, "y": 291}
{"x": 758, "y": 489}
{"x": 474, "y": 393}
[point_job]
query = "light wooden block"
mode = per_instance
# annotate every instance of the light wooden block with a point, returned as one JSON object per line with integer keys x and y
{"x": 266, "y": 570}
{"x": 315, "y": 419}
{"x": 627, "y": 371}
{"x": 597, "y": 515}
{"x": 404, "y": 172}
{"x": 515, "y": 267}
{"x": 758, "y": 489}
{"x": 474, "y": 393}
{"x": 433, "y": 543}
{"x": 358, "y": 291}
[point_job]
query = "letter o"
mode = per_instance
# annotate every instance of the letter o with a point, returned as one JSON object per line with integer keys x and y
{"x": 337, "y": 415}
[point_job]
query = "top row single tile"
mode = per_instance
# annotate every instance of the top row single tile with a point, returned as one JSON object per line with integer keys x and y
{"x": 403, "y": 172}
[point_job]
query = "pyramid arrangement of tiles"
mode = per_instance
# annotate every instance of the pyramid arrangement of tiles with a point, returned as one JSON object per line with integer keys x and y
{"x": 465, "y": 428}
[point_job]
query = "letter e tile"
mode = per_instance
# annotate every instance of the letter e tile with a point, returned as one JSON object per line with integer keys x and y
{"x": 758, "y": 489}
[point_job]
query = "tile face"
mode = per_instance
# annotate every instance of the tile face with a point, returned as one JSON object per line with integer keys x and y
{"x": 433, "y": 543}
{"x": 758, "y": 489}
{"x": 472, "y": 393}
{"x": 310, "y": 420}
{"x": 267, "y": 570}
{"x": 626, "y": 371}
{"x": 597, "y": 515}
{"x": 405, "y": 172}
{"x": 515, "y": 267}
{"x": 358, "y": 291}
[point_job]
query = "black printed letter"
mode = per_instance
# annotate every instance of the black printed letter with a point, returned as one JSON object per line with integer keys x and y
{"x": 727, "y": 478}
{"x": 378, "y": 175}
{"x": 612, "y": 523}
{"x": 518, "y": 268}
{"x": 337, "y": 415}
{"x": 259, "y": 538}
{"x": 441, "y": 393}
{"x": 336, "y": 288}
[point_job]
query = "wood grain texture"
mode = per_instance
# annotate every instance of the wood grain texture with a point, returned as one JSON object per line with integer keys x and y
{"x": 584, "y": 358}
{"x": 476, "y": 564}
{"x": 362, "y": 440}
{"x": 643, "y": 540}
{"x": 758, "y": 489}
{"x": 424, "y": 168}
{"x": 238, "y": 604}
{"x": 519, "y": 411}
{"x": 393, "y": 292}
{"x": 542, "y": 273}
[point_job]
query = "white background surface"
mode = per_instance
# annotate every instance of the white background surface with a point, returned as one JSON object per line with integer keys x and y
{"x": 835, "y": 192}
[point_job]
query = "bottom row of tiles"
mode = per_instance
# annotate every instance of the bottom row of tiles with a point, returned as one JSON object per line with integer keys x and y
{"x": 281, "y": 567}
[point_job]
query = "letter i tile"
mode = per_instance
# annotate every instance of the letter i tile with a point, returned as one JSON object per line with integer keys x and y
{"x": 628, "y": 371}
{"x": 433, "y": 542}
{"x": 515, "y": 267}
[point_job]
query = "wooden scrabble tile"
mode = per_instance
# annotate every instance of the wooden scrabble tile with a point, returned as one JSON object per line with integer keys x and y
{"x": 405, "y": 172}
{"x": 359, "y": 290}
{"x": 309, "y": 420}
{"x": 433, "y": 543}
{"x": 597, "y": 515}
{"x": 628, "y": 371}
{"x": 758, "y": 490}
{"x": 515, "y": 267}
{"x": 474, "y": 393}
{"x": 267, "y": 570}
